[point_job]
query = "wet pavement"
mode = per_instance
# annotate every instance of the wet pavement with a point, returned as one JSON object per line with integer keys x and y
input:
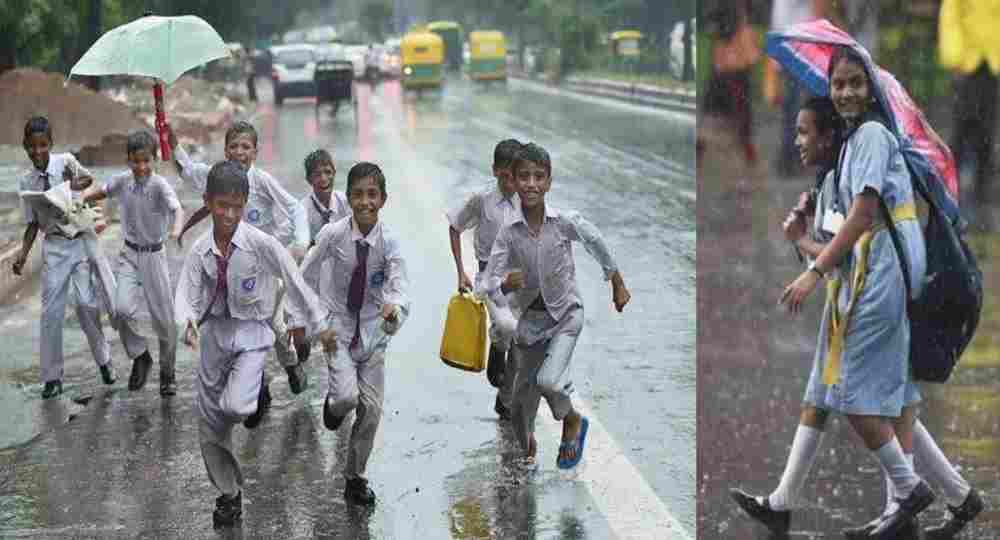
{"x": 754, "y": 361}
{"x": 102, "y": 462}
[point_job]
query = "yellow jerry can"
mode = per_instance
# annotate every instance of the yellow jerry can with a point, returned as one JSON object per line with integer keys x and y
{"x": 463, "y": 345}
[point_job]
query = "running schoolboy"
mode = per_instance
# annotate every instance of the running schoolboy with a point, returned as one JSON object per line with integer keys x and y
{"x": 225, "y": 297}
{"x": 65, "y": 264}
{"x": 367, "y": 303}
{"x": 149, "y": 208}
{"x": 486, "y": 211}
{"x": 540, "y": 241}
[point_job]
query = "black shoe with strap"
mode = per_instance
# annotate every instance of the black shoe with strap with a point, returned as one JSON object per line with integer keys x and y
{"x": 140, "y": 371}
{"x": 297, "y": 379}
{"x": 778, "y": 521}
{"x": 52, "y": 389}
{"x": 263, "y": 404}
{"x": 329, "y": 420}
{"x": 228, "y": 510}
{"x": 356, "y": 490}
{"x": 107, "y": 374}
{"x": 894, "y": 525}
{"x": 960, "y": 517}
{"x": 168, "y": 384}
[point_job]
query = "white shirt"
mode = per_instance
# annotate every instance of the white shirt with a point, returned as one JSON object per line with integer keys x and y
{"x": 269, "y": 207}
{"x": 256, "y": 262}
{"x": 788, "y": 12}
{"x": 309, "y": 219}
{"x": 546, "y": 260}
{"x": 487, "y": 211}
{"x": 147, "y": 206}
{"x": 32, "y": 180}
{"x": 336, "y": 252}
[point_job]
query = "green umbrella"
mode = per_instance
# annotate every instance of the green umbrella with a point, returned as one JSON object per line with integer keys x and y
{"x": 160, "y": 47}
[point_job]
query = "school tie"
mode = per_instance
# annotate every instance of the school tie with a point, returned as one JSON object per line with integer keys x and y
{"x": 46, "y": 185}
{"x": 356, "y": 290}
{"x": 221, "y": 287}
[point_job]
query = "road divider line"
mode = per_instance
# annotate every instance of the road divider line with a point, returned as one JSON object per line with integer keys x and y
{"x": 628, "y": 503}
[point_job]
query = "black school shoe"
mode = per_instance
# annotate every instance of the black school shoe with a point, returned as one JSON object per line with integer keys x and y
{"x": 497, "y": 366}
{"x": 894, "y": 524}
{"x": 303, "y": 352}
{"x": 777, "y": 521}
{"x": 960, "y": 517}
{"x": 502, "y": 412}
{"x": 330, "y": 421}
{"x": 356, "y": 490}
{"x": 140, "y": 371}
{"x": 108, "y": 374}
{"x": 168, "y": 384}
{"x": 263, "y": 404}
{"x": 297, "y": 379}
{"x": 52, "y": 389}
{"x": 228, "y": 510}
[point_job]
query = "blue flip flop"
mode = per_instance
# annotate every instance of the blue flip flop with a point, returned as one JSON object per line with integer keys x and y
{"x": 578, "y": 444}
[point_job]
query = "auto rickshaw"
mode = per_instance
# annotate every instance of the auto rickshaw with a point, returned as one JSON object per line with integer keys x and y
{"x": 451, "y": 33}
{"x": 625, "y": 48}
{"x": 423, "y": 56}
{"x": 487, "y": 56}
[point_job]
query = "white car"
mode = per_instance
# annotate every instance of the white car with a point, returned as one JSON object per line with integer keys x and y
{"x": 292, "y": 70}
{"x": 356, "y": 54}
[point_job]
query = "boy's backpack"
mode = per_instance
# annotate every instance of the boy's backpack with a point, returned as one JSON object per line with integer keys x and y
{"x": 944, "y": 318}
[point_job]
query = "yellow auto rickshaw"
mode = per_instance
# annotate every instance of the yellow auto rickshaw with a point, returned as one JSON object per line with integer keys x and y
{"x": 625, "y": 47}
{"x": 487, "y": 56}
{"x": 423, "y": 57}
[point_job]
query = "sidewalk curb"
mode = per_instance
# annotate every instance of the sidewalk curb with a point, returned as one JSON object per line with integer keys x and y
{"x": 642, "y": 94}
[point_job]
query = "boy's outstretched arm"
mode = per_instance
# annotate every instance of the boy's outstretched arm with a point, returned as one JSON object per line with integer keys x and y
{"x": 26, "y": 242}
{"x": 464, "y": 283}
{"x": 579, "y": 229}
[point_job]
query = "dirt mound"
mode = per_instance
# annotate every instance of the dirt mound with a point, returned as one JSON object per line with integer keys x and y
{"x": 78, "y": 115}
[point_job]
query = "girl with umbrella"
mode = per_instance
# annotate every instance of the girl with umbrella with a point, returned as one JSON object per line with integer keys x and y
{"x": 861, "y": 364}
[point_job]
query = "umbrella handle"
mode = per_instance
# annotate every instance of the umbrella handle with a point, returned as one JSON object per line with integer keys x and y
{"x": 161, "y": 120}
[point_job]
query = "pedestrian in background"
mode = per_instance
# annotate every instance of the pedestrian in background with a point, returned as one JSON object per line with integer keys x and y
{"x": 969, "y": 45}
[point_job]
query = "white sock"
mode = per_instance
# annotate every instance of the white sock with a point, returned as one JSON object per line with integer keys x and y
{"x": 899, "y": 469}
{"x": 941, "y": 472}
{"x": 890, "y": 490}
{"x": 805, "y": 446}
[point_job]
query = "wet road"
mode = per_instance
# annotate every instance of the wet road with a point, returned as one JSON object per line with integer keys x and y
{"x": 754, "y": 361}
{"x": 125, "y": 465}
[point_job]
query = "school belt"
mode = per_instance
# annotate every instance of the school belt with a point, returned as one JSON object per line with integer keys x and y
{"x": 61, "y": 234}
{"x": 837, "y": 323}
{"x": 148, "y": 248}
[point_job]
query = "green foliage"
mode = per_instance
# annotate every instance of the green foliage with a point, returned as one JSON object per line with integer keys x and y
{"x": 375, "y": 18}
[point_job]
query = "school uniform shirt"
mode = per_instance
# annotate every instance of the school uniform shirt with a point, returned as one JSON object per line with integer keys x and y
{"x": 546, "y": 260}
{"x": 33, "y": 180}
{"x": 336, "y": 254}
{"x": 311, "y": 216}
{"x": 269, "y": 207}
{"x": 487, "y": 211}
{"x": 147, "y": 206}
{"x": 256, "y": 262}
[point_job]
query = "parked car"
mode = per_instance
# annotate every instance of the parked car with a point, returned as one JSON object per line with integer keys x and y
{"x": 292, "y": 70}
{"x": 356, "y": 54}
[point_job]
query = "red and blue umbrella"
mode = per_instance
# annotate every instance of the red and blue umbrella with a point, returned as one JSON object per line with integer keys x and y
{"x": 804, "y": 51}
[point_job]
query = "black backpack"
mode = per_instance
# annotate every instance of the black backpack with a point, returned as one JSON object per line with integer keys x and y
{"x": 944, "y": 318}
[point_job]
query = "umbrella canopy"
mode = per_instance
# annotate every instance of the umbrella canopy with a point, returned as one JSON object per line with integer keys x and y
{"x": 804, "y": 50}
{"x": 159, "y": 47}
